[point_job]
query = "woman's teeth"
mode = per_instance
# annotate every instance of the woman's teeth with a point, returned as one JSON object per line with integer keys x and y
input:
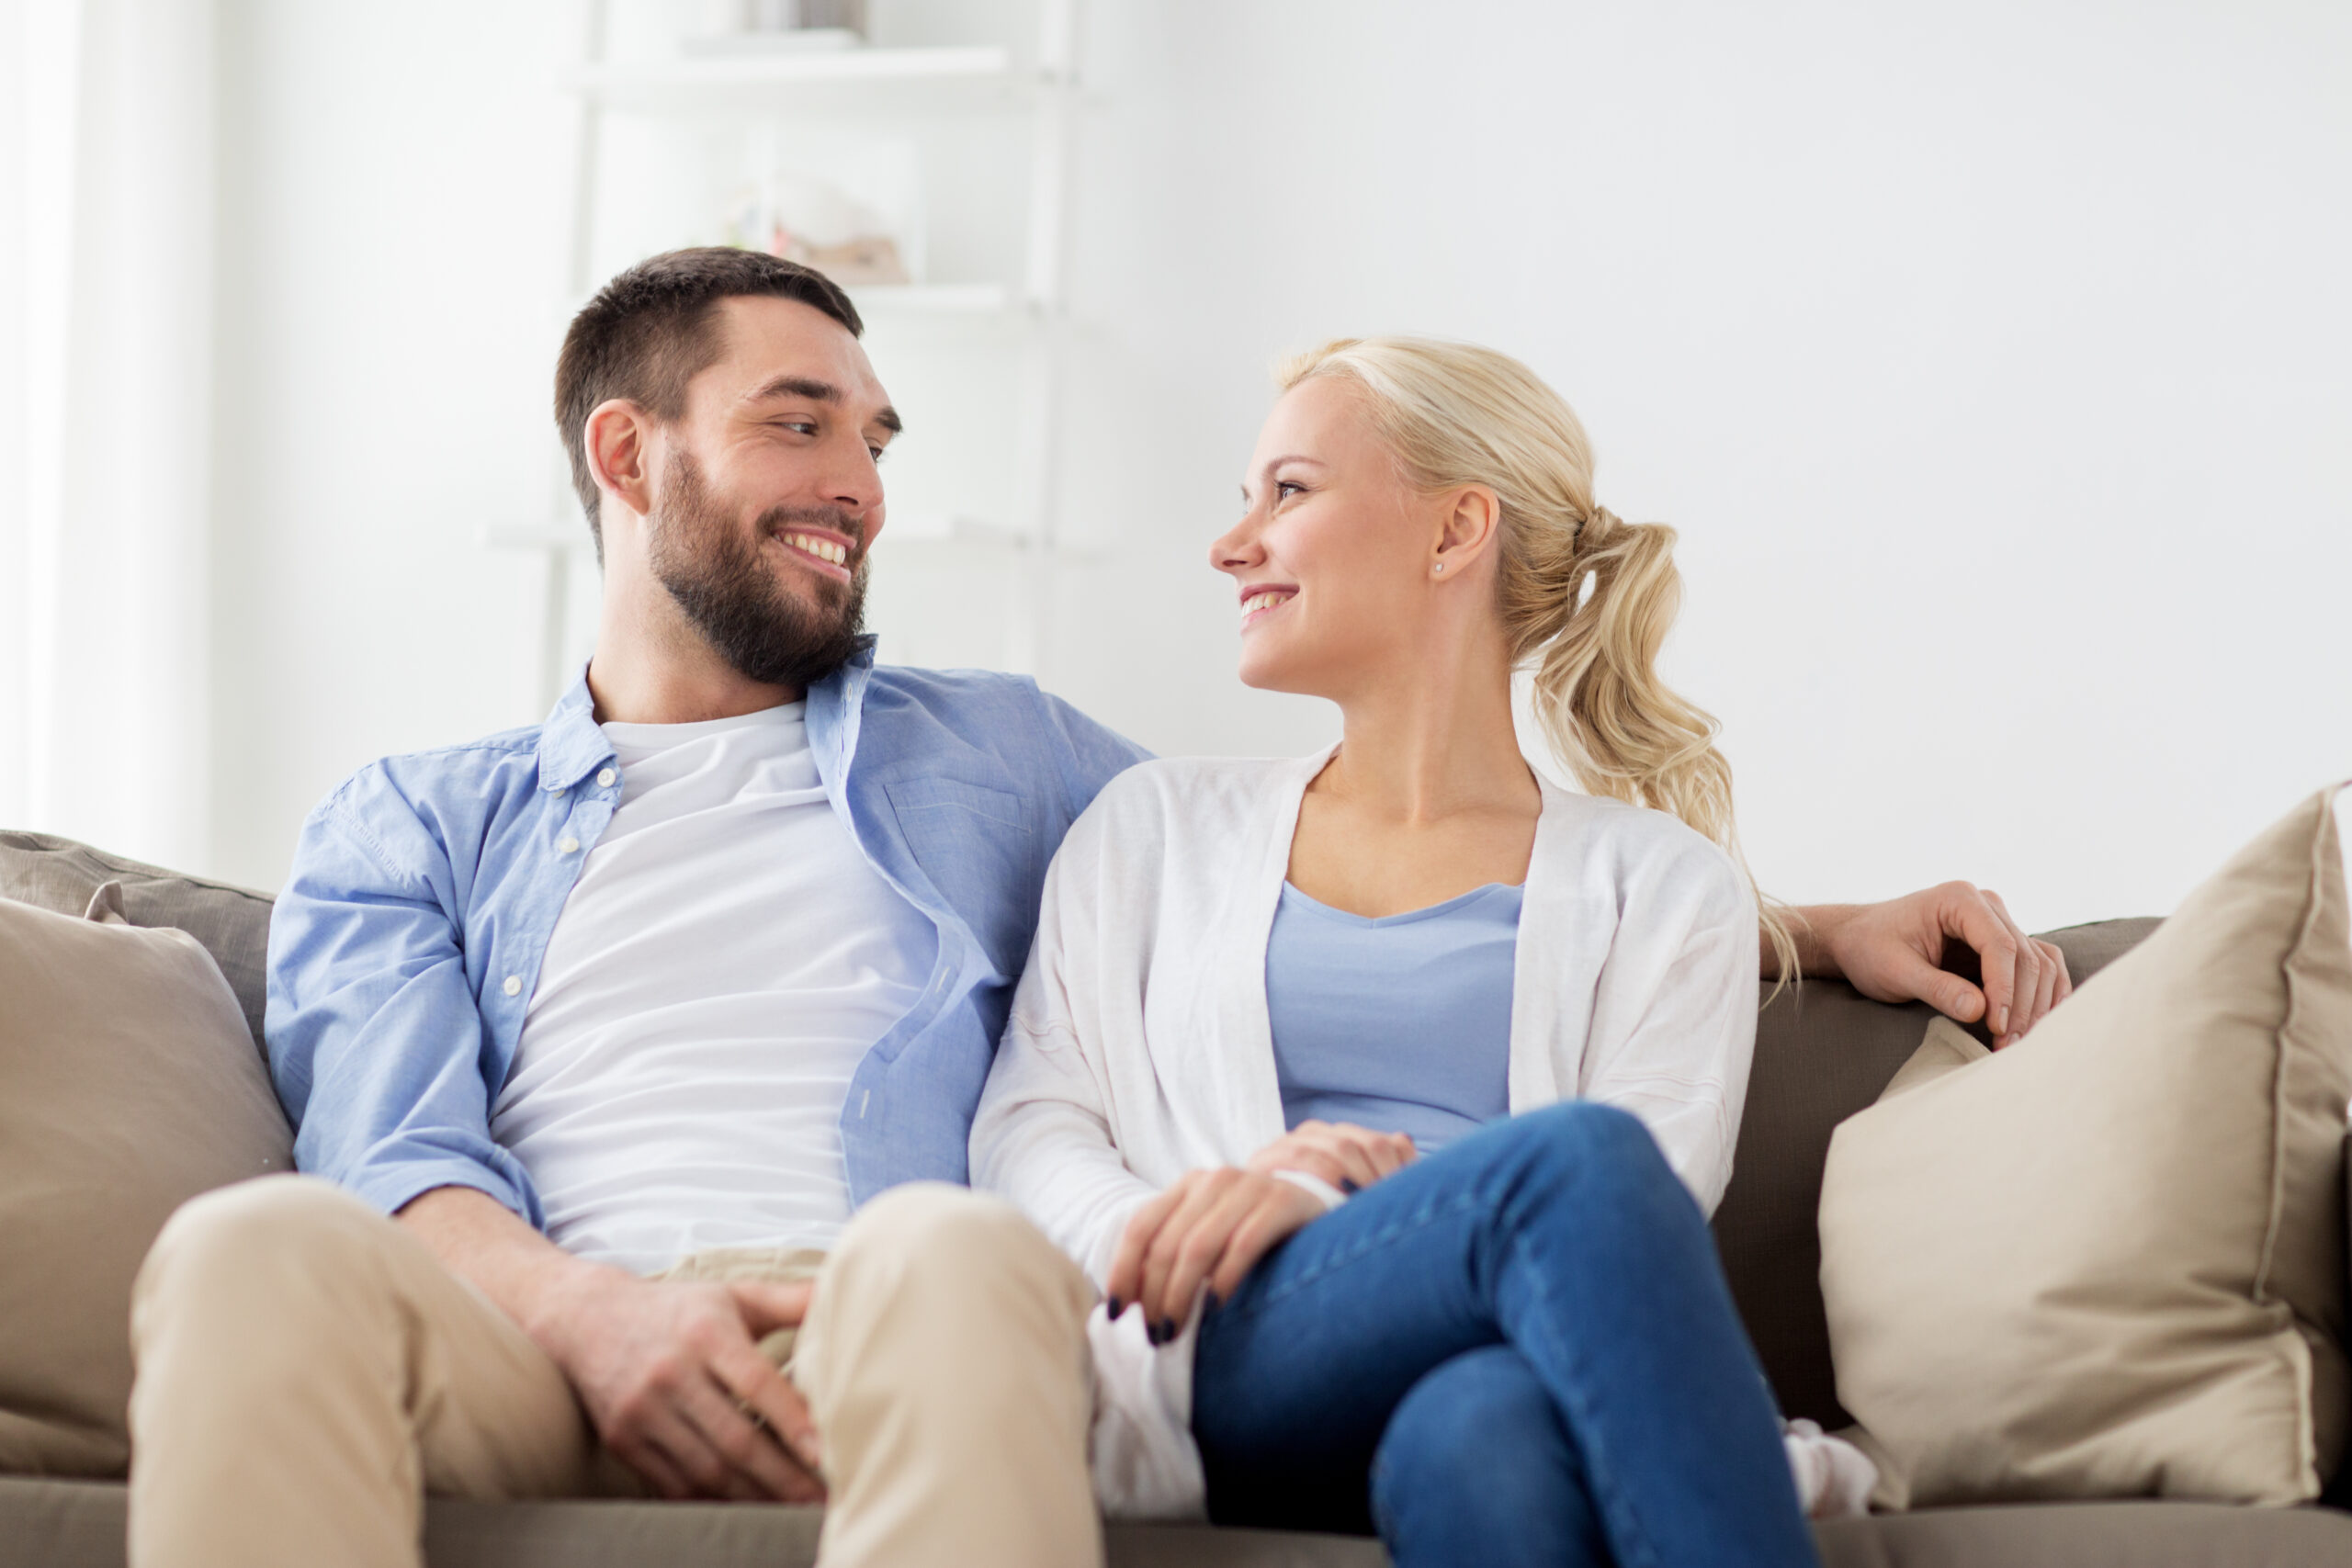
{"x": 1257, "y": 602}
{"x": 823, "y": 550}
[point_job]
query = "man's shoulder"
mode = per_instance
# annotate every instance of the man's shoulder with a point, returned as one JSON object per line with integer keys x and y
{"x": 948, "y": 692}
{"x": 471, "y": 770}
{"x": 925, "y": 720}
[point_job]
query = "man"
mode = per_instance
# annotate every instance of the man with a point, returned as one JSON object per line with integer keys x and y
{"x": 632, "y": 1057}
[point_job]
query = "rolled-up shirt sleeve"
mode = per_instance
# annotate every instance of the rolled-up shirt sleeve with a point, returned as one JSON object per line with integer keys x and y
{"x": 377, "y": 1044}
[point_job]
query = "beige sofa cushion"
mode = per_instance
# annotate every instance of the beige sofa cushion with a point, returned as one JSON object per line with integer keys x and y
{"x": 129, "y": 1083}
{"x": 2110, "y": 1261}
{"x": 231, "y": 922}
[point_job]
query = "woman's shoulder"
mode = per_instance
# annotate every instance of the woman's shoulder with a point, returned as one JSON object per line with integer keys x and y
{"x": 1171, "y": 790}
{"x": 1641, "y": 847}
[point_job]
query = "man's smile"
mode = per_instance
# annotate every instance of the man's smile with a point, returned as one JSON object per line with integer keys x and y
{"x": 819, "y": 550}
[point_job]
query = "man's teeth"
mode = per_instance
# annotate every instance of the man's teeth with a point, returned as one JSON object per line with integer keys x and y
{"x": 1257, "y": 602}
{"x": 823, "y": 550}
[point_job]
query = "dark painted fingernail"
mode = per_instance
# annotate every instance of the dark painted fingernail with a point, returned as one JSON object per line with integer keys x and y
{"x": 1347, "y": 1184}
{"x": 1116, "y": 1307}
{"x": 1167, "y": 1330}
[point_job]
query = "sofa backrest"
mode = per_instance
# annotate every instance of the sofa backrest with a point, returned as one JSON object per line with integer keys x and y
{"x": 1824, "y": 1052}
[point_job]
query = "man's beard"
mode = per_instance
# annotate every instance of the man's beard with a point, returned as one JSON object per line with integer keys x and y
{"x": 767, "y": 633}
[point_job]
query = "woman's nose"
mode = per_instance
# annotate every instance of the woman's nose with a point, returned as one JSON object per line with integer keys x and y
{"x": 1237, "y": 549}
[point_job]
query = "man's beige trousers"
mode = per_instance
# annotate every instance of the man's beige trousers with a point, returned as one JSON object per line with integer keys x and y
{"x": 308, "y": 1371}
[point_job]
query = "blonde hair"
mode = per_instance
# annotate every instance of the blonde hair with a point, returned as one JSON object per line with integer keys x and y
{"x": 1584, "y": 597}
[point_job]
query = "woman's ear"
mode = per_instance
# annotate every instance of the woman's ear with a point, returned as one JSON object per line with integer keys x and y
{"x": 617, "y": 440}
{"x": 1473, "y": 516}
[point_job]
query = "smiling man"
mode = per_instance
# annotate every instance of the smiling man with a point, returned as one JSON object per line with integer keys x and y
{"x": 633, "y": 1055}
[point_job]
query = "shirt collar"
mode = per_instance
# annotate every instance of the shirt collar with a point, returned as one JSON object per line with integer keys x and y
{"x": 573, "y": 744}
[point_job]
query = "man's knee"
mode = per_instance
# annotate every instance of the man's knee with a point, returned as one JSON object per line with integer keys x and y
{"x": 930, "y": 1234}
{"x": 965, "y": 1266}
{"x": 249, "y": 1249}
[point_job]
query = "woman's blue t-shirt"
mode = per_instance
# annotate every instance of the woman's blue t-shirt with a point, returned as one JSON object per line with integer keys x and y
{"x": 1400, "y": 1023}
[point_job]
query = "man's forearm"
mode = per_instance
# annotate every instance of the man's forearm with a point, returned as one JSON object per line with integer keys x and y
{"x": 1810, "y": 929}
{"x": 483, "y": 1242}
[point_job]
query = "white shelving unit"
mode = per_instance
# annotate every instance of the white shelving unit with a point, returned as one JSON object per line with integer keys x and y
{"x": 866, "y": 84}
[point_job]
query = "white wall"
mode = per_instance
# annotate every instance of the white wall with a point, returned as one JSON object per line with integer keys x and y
{"x": 390, "y": 260}
{"x": 1993, "y": 361}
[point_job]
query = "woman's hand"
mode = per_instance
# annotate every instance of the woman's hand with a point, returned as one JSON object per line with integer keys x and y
{"x": 1347, "y": 1157}
{"x": 1210, "y": 1227}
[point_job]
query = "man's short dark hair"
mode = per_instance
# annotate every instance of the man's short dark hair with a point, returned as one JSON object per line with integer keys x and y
{"x": 653, "y": 328}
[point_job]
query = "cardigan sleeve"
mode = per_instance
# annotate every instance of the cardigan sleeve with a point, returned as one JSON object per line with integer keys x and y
{"x": 1674, "y": 1014}
{"x": 1044, "y": 1136}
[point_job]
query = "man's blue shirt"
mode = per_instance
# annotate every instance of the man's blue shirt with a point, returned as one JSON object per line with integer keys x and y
{"x": 404, "y": 951}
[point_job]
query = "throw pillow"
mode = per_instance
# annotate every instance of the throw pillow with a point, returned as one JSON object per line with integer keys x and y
{"x": 2110, "y": 1261}
{"x": 231, "y": 922}
{"x": 129, "y": 1083}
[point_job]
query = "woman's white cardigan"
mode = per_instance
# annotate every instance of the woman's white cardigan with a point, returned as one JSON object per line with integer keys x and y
{"x": 1138, "y": 1046}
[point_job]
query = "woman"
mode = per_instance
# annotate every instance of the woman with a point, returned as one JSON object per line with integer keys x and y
{"x": 1385, "y": 1091}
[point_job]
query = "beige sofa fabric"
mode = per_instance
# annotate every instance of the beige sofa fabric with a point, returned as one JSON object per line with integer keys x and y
{"x": 232, "y": 922}
{"x": 2110, "y": 1261}
{"x": 132, "y": 1085}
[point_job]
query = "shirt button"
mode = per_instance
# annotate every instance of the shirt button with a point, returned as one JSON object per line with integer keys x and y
{"x": 567, "y": 845}
{"x": 606, "y": 778}
{"x": 514, "y": 986}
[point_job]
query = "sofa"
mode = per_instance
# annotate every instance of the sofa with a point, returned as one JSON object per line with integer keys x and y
{"x": 1823, "y": 1053}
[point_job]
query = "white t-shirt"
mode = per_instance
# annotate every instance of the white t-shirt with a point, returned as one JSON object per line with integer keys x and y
{"x": 725, "y": 960}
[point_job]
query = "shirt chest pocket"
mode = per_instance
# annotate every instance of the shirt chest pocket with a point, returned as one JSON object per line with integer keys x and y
{"x": 985, "y": 849}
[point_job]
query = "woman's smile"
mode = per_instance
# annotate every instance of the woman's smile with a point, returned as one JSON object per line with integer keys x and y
{"x": 1260, "y": 600}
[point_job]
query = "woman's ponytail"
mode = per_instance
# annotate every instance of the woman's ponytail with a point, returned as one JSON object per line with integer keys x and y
{"x": 1586, "y": 598}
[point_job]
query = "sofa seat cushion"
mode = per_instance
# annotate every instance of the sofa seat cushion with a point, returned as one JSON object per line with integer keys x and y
{"x": 68, "y": 1524}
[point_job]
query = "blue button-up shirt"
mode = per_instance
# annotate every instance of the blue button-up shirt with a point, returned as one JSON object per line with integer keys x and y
{"x": 404, "y": 950}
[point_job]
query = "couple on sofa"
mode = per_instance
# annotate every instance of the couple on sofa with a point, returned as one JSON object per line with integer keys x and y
{"x": 1344, "y": 1128}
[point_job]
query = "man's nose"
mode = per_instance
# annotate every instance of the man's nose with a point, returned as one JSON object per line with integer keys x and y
{"x": 852, "y": 480}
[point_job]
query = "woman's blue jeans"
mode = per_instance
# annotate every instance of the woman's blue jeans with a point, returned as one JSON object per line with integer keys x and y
{"x": 1520, "y": 1349}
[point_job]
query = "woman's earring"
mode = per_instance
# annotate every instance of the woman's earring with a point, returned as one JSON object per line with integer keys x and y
{"x": 1440, "y": 567}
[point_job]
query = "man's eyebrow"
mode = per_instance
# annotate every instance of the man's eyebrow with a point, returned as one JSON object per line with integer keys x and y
{"x": 821, "y": 392}
{"x": 799, "y": 387}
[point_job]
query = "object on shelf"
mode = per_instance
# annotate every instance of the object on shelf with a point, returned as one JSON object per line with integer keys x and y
{"x": 857, "y": 216}
{"x": 733, "y": 26}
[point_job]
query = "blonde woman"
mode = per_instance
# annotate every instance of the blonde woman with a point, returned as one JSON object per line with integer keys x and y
{"x": 1386, "y": 1092}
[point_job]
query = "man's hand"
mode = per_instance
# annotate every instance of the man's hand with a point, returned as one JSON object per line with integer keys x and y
{"x": 672, "y": 1377}
{"x": 672, "y": 1374}
{"x": 1893, "y": 952}
{"x": 1347, "y": 1157}
{"x": 1210, "y": 1227}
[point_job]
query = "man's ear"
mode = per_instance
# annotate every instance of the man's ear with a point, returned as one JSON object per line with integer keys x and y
{"x": 1474, "y": 515}
{"x": 618, "y": 440}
